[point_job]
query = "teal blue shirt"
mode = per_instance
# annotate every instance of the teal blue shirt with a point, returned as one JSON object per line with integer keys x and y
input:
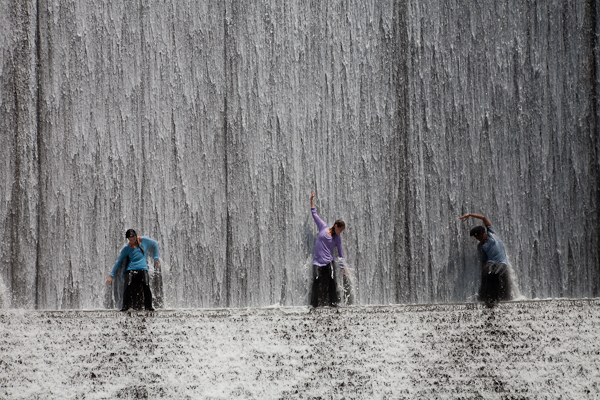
{"x": 137, "y": 258}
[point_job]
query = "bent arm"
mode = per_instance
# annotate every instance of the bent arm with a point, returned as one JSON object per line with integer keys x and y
{"x": 486, "y": 222}
{"x": 153, "y": 244}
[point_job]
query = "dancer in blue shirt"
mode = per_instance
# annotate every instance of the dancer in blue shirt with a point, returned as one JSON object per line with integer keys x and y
{"x": 137, "y": 269}
{"x": 495, "y": 284}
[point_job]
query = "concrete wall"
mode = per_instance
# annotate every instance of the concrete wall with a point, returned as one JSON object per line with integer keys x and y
{"x": 205, "y": 125}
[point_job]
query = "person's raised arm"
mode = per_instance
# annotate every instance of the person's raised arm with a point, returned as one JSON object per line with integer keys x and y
{"x": 486, "y": 222}
{"x": 313, "y": 209}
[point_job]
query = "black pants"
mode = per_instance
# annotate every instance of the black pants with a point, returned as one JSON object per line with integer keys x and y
{"x": 133, "y": 279}
{"x": 324, "y": 282}
{"x": 494, "y": 283}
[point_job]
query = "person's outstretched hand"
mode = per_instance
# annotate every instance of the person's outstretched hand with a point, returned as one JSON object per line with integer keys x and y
{"x": 464, "y": 217}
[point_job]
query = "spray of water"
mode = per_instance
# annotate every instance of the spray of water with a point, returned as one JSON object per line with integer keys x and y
{"x": 4, "y": 295}
{"x": 515, "y": 292}
{"x": 345, "y": 280}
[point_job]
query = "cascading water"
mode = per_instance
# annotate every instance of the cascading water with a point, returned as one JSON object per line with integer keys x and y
{"x": 205, "y": 126}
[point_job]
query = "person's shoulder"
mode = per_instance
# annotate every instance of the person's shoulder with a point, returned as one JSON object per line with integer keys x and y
{"x": 491, "y": 229}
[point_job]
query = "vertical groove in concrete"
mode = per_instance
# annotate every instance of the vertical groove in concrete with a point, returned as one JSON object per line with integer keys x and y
{"x": 207, "y": 125}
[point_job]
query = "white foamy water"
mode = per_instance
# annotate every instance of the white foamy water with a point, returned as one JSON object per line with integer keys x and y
{"x": 522, "y": 350}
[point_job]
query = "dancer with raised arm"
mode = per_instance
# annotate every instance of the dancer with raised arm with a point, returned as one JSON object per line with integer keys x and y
{"x": 324, "y": 274}
{"x": 495, "y": 284}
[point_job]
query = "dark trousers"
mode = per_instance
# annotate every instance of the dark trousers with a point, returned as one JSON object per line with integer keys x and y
{"x": 324, "y": 282}
{"x": 134, "y": 279}
{"x": 494, "y": 283}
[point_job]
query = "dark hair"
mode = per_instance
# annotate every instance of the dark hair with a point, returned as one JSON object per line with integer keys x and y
{"x": 340, "y": 224}
{"x": 478, "y": 231}
{"x": 132, "y": 233}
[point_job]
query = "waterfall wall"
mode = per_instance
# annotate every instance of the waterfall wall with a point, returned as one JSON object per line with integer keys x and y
{"x": 205, "y": 125}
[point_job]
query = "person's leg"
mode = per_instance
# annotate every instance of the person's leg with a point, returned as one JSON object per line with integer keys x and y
{"x": 486, "y": 288}
{"x": 147, "y": 291}
{"x": 127, "y": 292}
{"x": 334, "y": 299}
{"x": 494, "y": 282}
{"x": 503, "y": 282}
{"x": 314, "y": 297}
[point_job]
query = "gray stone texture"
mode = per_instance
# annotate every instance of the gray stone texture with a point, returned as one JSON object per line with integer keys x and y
{"x": 206, "y": 124}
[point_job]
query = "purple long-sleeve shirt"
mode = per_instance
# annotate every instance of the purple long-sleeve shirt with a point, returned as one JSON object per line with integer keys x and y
{"x": 323, "y": 253}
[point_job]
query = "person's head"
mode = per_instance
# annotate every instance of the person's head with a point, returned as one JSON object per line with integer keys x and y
{"x": 338, "y": 227}
{"x": 480, "y": 233}
{"x": 130, "y": 235}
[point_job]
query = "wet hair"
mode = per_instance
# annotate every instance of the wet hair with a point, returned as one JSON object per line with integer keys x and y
{"x": 340, "y": 224}
{"x": 131, "y": 233}
{"x": 478, "y": 231}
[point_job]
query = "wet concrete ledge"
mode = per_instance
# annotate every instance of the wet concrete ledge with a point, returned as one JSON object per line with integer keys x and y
{"x": 517, "y": 350}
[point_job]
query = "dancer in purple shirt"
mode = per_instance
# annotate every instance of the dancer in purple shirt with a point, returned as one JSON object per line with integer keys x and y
{"x": 328, "y": 239}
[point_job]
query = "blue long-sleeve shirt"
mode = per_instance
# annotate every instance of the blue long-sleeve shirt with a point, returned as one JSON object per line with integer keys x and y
{"x": 493, "y": 248}
{"x": 137, "y": 258}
